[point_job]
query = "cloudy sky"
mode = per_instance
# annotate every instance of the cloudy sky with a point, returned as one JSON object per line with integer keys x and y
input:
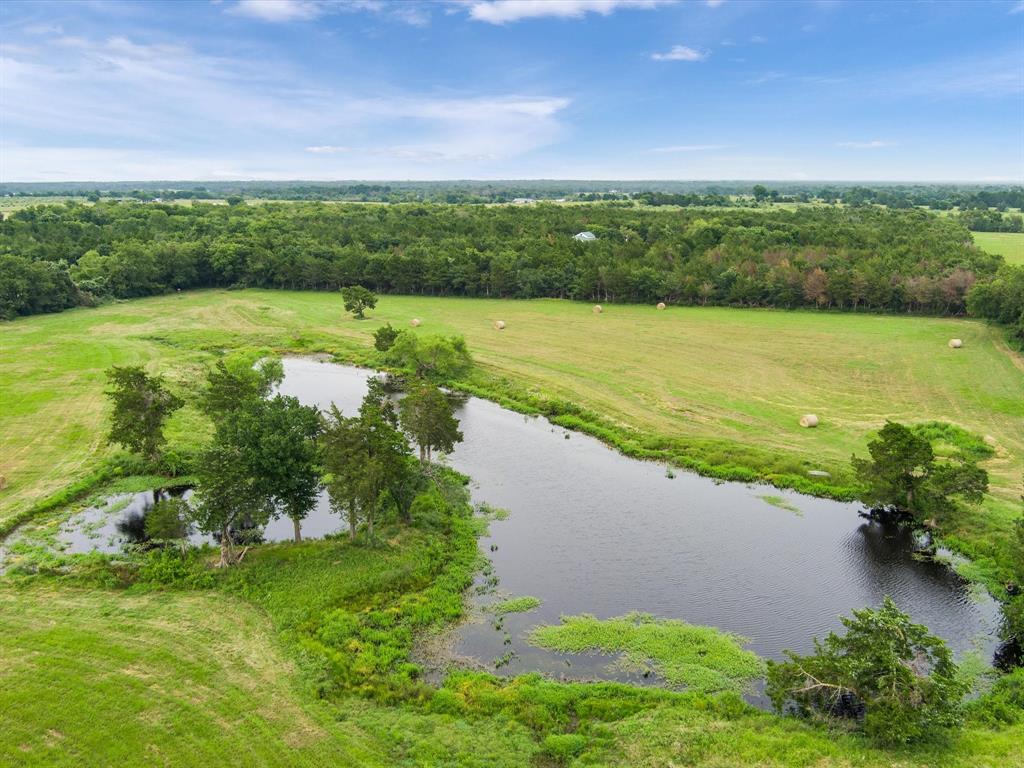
{"x": 486, "y": 89}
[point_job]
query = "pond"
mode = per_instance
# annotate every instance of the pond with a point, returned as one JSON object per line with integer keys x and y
{"x": 592, "y": 531}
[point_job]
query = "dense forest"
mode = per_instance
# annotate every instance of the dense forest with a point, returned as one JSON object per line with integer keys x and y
{"x": 58, "y": 256}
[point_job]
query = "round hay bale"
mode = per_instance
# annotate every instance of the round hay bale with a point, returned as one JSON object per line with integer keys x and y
{"x": 808, "y": 420}
{"x": 415, "y": 322}
{"x": 661, "y": 305}
{"x": 955, "y": 343}
{"x": 499, "y": 325}
{"x": 598, "y": 309}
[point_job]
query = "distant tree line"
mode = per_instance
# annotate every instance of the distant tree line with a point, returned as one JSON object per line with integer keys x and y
{"x": 53, "y": 257}
{"x": 893, "y": 195}
{"x": 984, "y": 220}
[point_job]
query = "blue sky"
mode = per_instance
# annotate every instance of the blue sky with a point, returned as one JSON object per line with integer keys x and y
{"x": 488, "y": 89}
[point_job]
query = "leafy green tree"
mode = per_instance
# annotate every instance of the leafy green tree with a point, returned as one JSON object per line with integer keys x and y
{"x": 276, "y": 440}
{"x": 168, "y": 521}
{"x": 239, "y": 379}
{"x": 892, "y": 677}
{"x": 366, "y": 458}
{"x": 357, "y": 300}
{"x": 904, "y": 477}
{"x": 899, "y": 465}
{"x": 227, "y": 495}
{"x": 384, "y": 337}
{"x": 340, "y": 456}
{"x": 432, "y": 357}
{"x": 141, "y": 406}
{"x": 428, "y": 418}
{"x": 405, "y": 484}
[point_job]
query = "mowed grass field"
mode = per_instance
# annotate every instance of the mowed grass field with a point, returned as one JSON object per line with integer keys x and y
{"x": 726, "y": 376}
{"x": 170, "y": 675}
{"x": 1009, "y": 245}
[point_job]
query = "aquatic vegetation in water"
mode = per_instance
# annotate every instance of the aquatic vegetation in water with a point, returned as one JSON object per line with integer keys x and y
{"x": 515, "y": 605}
{"x": 489, "y": 513}
{"x": 781, "y": 503}
{"x": 686, "y": 656}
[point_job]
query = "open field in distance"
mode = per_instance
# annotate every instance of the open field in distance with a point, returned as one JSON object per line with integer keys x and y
{"x": 1009, "y": 245}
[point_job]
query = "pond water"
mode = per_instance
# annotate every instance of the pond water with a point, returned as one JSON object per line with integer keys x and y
{"x": 591, "y": 531}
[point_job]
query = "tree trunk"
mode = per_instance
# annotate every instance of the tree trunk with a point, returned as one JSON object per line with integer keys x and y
{"x": 352, "y": 522}
{"x": 225, "y": 548}
{"x": 297, "y": 522}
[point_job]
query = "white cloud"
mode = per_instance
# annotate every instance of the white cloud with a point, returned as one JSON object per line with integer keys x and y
{"x": 759, "y": 39}
{"x": 278, "y": 10}
{"x": 873, "y": 144}
{"x": 416, "y": 14}
{"x": 1018, "y": 7}
{"x": 680, "y": 53}
{"x": 713, "y": 3}
{"x": 328, "y": 149}
{"x": 508, "y": 11}
{"x": 690, "y": 148}
{"x": 155, "y": 102}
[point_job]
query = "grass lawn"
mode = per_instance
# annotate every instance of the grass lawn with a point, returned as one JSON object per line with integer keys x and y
{"x": 727, "y": 381}
{"x": 1009, "y": 245}
{"x": 96, "y": 678}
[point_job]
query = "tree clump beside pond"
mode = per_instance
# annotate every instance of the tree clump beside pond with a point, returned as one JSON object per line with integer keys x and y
{"x": 368, "y": 462}
{"x": 432, "y": 357}
{"x": 428, "y": 418}
{"x": 905, "y": 480}
{"x": 270, "y": 445}
{"x": 886, "y": 676}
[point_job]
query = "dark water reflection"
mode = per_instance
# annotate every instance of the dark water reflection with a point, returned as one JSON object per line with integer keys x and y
{"x": 591, "y": 531}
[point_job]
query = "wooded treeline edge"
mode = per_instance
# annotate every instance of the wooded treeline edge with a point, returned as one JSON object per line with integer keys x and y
{"x": 865, "y": 258}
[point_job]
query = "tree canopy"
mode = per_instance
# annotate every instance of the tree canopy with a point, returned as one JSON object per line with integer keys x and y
{"x": 431, "y": 357}
{"x": 428, "y": 418}
{"x": 357, "y": 300}
{"x": 892, "y": 677}
{"x": 141, "y": 406}
{"x": 903, "y": 475}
